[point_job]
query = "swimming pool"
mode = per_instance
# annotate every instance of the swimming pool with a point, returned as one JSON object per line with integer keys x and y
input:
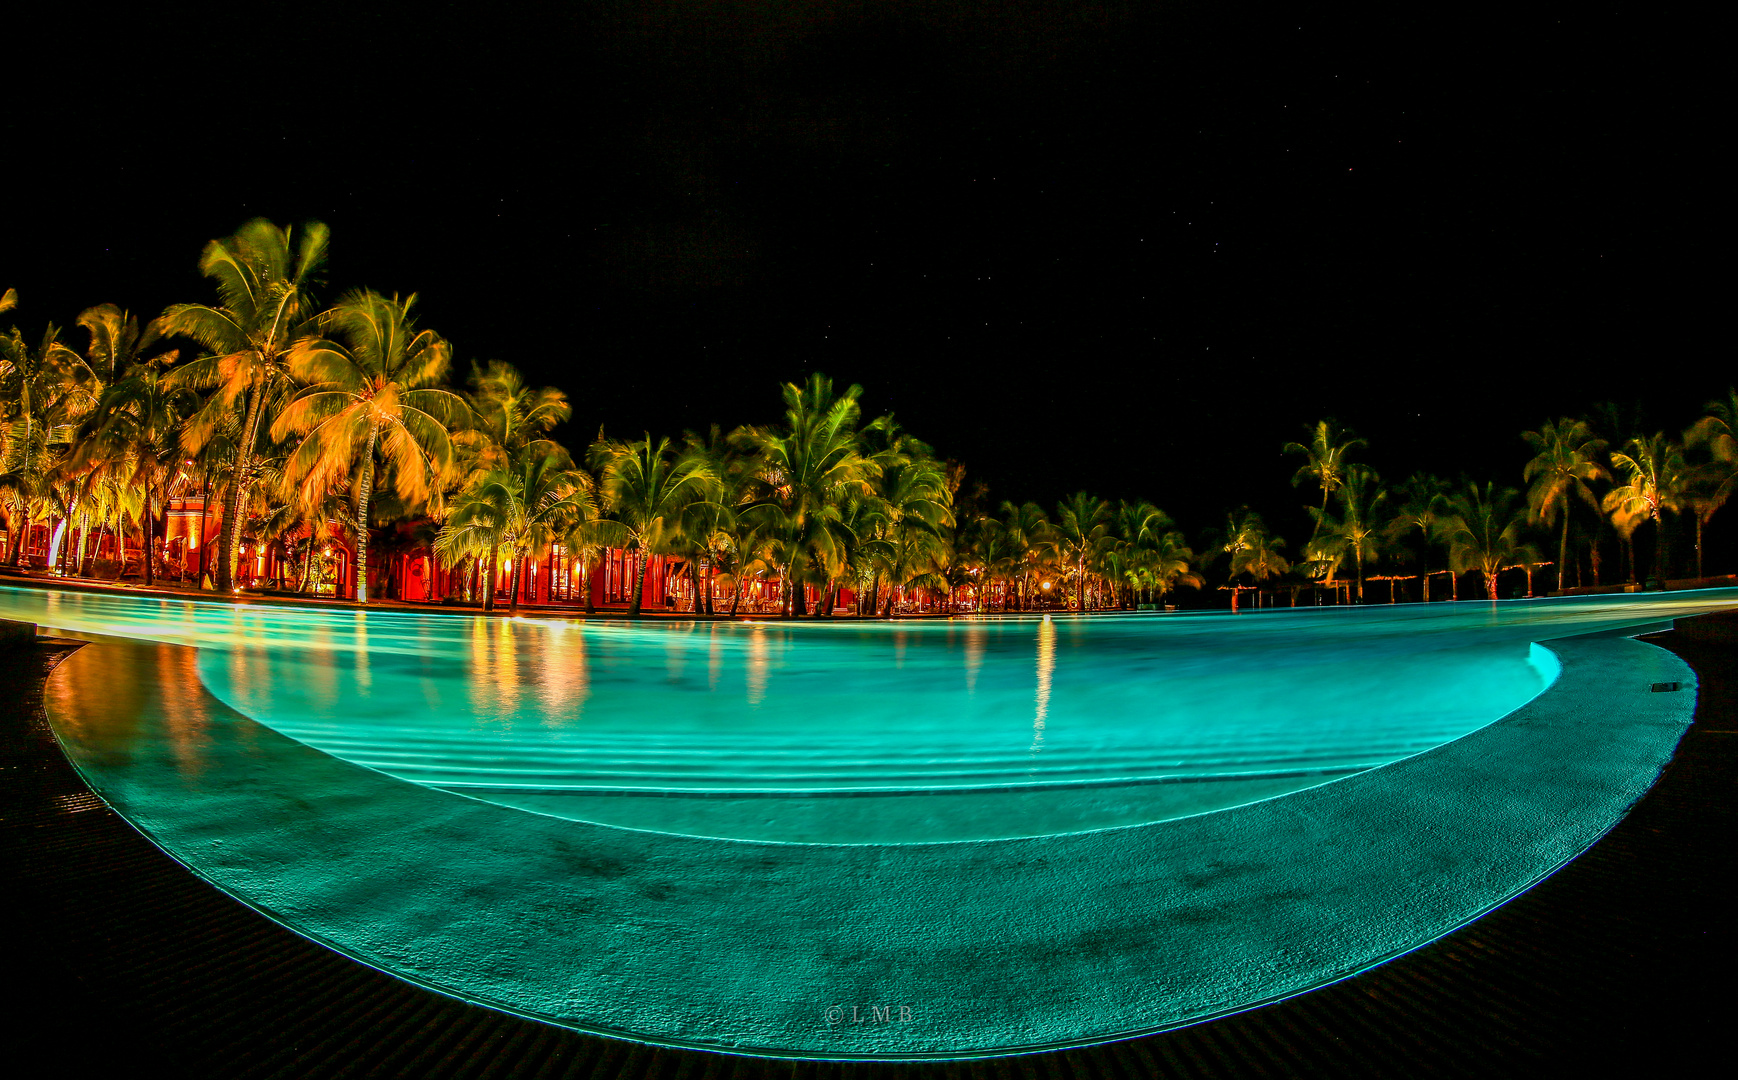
{"x": 1018, "y": 741}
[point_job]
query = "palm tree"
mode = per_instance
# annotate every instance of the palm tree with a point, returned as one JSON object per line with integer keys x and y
{"x": 509, "y": 416}
{"x": 373, "y": 390}
{"x": 1082, "y": 528}
{"x": 805, "y": 471}
{"x": 652, "y": 494}
{"x": 478, "y": 523}
{"x": 39, "y": 400}
{"x": 1031, "y": 531}
{"x": 1565, "y": 461}
{"x": 1325, "y": 456}
{"x": 1483, "y": 532}
{"x": 138, "y": 422}
{"x": 1657, "y": 478}
{"x": 1356, "y": 531}
{"x": 1252, "y": 550}
{"x": 910, "y": 496}
{"x": 1421, "y": 501}
{"x": 263, "y": 275}
{"x": 1171, "y": 563}
{"x": 1717, "y": 430}
{"x": 528, "y": 509}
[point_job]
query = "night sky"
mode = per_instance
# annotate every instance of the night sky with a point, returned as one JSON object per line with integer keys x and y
{"x": 1128, "y": 248}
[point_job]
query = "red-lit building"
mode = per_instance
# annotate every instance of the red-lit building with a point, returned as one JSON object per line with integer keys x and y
{"x": 402, "y": 567}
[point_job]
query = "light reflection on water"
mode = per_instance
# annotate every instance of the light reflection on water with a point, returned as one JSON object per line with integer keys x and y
{"x": 552, "y": 715}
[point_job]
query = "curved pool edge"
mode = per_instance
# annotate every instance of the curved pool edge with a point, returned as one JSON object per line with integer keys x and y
{"x": 1180, "y": 877}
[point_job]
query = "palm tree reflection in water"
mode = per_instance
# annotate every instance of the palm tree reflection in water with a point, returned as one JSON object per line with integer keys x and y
{"x": 1046, "y": 666}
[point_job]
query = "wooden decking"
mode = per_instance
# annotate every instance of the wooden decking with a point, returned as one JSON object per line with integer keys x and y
{"x": 121, "y": 961}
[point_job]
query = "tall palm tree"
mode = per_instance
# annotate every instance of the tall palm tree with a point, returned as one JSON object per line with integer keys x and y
{"x": 1171, "y": 563}
{"x": 479, "y": 521}
{"x": 910, "y": 495}
{"x": 139, "y": 422}
{"x": 1325, "y": 458}
{"x": 652, "y": 494}
{"x": 806, "y": 469}
{"x": 509, "y": 416}
{"x": 528, "y": 508}
{"x": 1565, "y": 462}
{"x": 1657, "y": 478}
{"x": 1420, "y": 504}
{"x": 263, "y": 276}
{"x": 39, "y": 402}
{"x": 1031, "y": 531}
{"x": 1252, "y": 549}
{"x": 372, "y": 388}
{"x": 1082, "y": 527}
{"x": 1483, "y": 530}
{"x": 1717, "y": 431}
{"x": 1358, "y": 530}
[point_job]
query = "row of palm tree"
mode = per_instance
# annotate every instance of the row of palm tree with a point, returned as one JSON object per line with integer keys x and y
{"x": 1579, "y": 493}
{"x": 307, "y": 422}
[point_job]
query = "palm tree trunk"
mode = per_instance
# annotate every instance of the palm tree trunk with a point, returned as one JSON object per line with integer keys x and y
{"x": 204, "y": 513}
{"x": 1490, "y": 585}
{"x": 735, "y": 593}
{"x": 590, "y": 603}
{"x": 363, "y": 491}
{"x": 1563, "y": 550}
{"x": 639, "y": 583}
{"x": 307, "y": 564}
{"x": 229, "y": 551}
{"x": 513, "y": 580}
{"x": 1659, "y": 548}
{"x": 149, "y": 579}
{"x": 488, "y": 585}
{"x": 1698, "y": 546}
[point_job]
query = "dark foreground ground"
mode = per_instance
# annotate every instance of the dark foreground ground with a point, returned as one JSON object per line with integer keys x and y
{"x": 120, "y": 962}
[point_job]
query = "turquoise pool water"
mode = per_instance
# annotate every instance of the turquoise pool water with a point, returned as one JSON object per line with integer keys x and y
{"x": 862, "y": 732}
{"x": 1059, "y": 933}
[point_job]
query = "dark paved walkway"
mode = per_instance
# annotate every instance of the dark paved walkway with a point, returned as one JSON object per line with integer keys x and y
{"x": 122, "y": 961}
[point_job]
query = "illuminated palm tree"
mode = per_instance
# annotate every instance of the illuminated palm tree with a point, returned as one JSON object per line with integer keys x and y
{"x": 1082, "y": 527}
{"x": 263, "y": 275}
{"x": 1325, "y": 455}
{"x": 1171, "y": 563}
{"x": 1356, "y": 531}
{"x": 371, "y": 389}
{"x": 910, "y": 495}
{"x": 139, "y": 422}
{"x": 478, "y": 523}
{"x": 1718, "y": 432}
{"x": 1252, "y": 550}
{"x": 1483, "y": 532}
{"x": 651, "y": 495}
{"x": 1030, "y": 529}
{"x": 509, "y": 416}
{"x": 1565, "y": 462}
{"x": 806, "y": 469}
{"x": 39, "y": 401}
{"x": 1420, "y": 505}
{"x": 1657, "y": 477}
{"x": 528, "y": 509}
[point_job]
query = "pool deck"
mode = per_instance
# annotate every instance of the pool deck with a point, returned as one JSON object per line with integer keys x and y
{"x": 1600, "y": 960}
